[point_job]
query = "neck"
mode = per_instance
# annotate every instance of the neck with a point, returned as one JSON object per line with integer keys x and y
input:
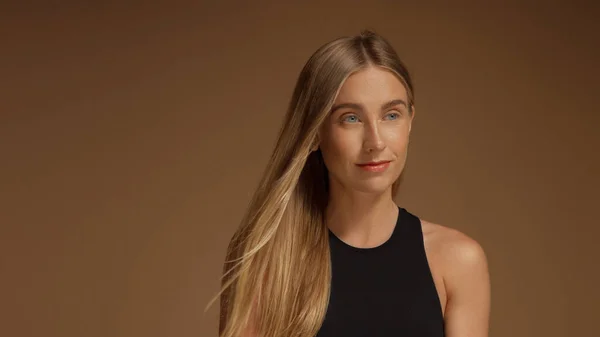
{"x": 360, "y": 218}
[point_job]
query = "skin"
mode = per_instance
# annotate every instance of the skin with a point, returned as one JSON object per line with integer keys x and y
{"x": 364, "y": 126}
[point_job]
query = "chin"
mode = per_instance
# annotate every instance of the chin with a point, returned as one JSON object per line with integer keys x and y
{"x": 373, "y": 186}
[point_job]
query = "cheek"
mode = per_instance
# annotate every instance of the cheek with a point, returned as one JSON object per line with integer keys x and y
{"x": 396, "y": 138}
{"x": 340, "y": 148}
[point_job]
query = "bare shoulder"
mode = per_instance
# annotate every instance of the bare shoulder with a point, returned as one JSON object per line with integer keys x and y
{"x": 459, "y": 266}
{"x": 455, "y": 252}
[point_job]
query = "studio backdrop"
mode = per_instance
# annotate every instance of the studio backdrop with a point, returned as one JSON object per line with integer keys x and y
{"x": 132, "y": 136}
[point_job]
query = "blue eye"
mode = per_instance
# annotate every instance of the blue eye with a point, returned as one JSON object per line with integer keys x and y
{"x": 349, "y": 119}
{"x": 393, "y": 115}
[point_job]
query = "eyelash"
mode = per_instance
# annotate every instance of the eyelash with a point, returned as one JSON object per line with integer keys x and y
{"x": 398, "y": 114}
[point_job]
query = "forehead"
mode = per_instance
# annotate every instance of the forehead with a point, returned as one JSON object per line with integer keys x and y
{"x": 371, "y": 85}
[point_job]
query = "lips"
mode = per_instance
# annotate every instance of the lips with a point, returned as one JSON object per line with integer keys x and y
{"x": 375, "y": 163}
{"x": 375, "y": 166}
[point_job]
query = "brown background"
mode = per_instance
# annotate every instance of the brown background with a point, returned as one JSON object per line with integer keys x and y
{"x": 132, "y": 137}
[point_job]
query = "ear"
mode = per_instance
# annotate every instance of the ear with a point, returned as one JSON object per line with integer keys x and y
{"x": 315, "y": 145}
{"x": 412, "y": 117}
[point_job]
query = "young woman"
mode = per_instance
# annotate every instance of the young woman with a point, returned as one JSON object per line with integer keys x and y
{"x": 323, "y": 249}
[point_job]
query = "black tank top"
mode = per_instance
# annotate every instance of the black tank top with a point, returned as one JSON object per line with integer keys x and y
{"x": 387, "y": 290}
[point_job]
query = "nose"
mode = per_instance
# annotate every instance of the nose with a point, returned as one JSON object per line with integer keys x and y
{"x": 372, "y": 138}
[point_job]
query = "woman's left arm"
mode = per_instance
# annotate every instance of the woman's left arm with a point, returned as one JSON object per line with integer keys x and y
{"x": 467, "y": 284}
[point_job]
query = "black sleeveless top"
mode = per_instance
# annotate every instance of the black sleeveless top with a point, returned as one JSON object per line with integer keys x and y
{"x": 387, "y": 290}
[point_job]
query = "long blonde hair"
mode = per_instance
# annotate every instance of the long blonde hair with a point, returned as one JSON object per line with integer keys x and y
{"x": 277, "y": 270}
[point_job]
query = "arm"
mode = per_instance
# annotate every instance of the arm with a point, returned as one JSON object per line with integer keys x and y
{"x": 468, "y": 288}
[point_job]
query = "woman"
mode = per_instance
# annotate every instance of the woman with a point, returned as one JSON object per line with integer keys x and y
{"x": 323, "y": 249}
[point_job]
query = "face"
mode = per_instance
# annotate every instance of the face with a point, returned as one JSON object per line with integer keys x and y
{"x": 364, "y": 139}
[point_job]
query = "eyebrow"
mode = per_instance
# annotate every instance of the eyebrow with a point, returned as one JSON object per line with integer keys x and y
{"x": 356, "y": 106}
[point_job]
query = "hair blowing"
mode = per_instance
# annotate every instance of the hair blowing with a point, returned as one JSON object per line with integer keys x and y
{"x": 277, "y": 270}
